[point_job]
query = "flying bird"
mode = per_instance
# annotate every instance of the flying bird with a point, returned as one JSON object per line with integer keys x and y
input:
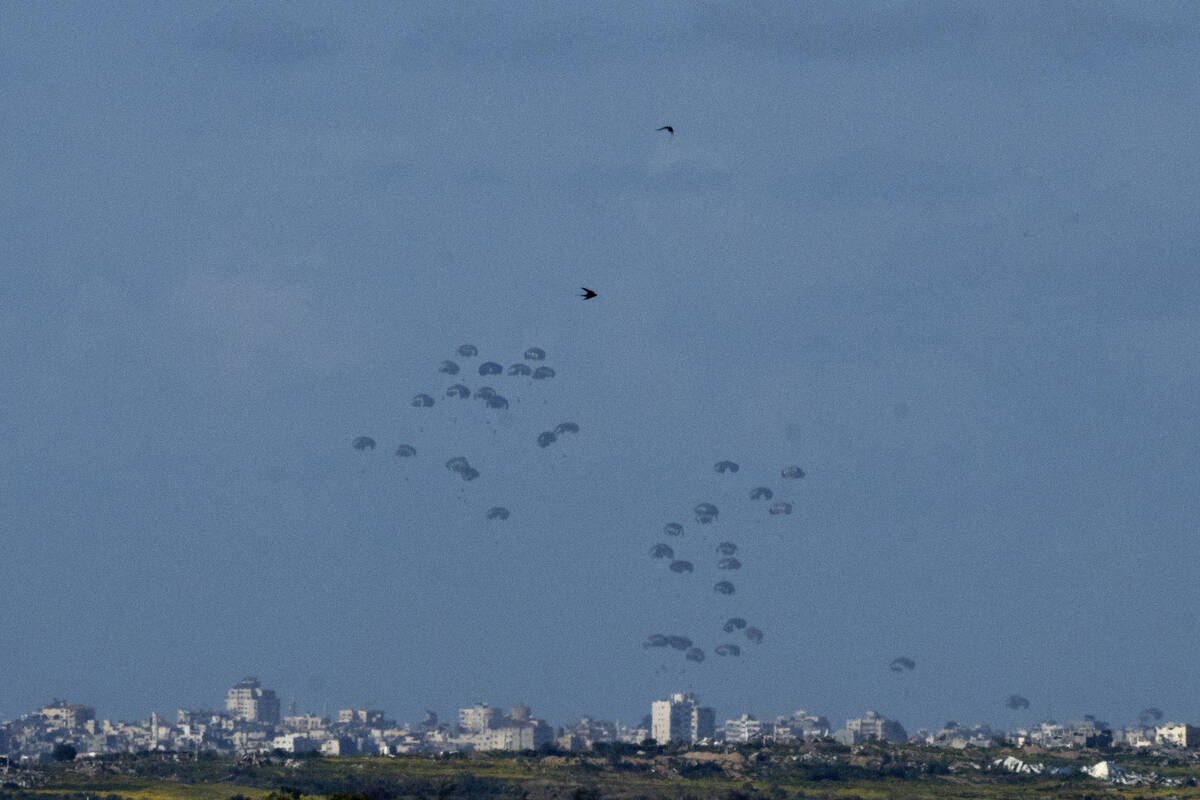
{"x": 666, "y": 128}
{"x": 588, "y": 294}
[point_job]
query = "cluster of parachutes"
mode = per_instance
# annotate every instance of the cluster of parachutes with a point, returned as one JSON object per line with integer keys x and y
{"x": 678, "y": 642}
{"x": 547, "y": 438}
{"x": 489, "y": 398}
{"x": 709, "y": 514}
{"x": 461, "y": 467}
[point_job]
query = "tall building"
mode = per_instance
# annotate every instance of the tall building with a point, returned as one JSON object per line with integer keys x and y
{"x": 479, "y": 717}
{"x": 743, "y": 730}
{"x": 1177, "y": 734}
{"x": 704, "y": 724}
{"x": 680, "y": 718}
{"x": 61, "y": 714}
{"x": 873, "y": 726}
{"x": 361, "y": 716}
{"x": 249, "y": 702}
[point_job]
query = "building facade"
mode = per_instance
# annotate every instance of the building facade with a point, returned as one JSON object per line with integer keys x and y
{"x": 1177, "y": 734}
{"x": 873, "y": 726}
{"x": 479, "y": 717}
{"x": 743, "y": 730}
{"x": 680, "y": 718}
{"x": 249, "y": 702}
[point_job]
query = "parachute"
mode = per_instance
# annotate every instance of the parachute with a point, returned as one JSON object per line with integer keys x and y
{"x": 458, "y": 390}
{"x": 728, "y": 650}
{"x": 1015, "y": 701}
{"x": 729, "y": 563}
{"x": 546, "y": 438}
{"x": 520, "y": 370}
{"x": 535, "y": 354}
{"x": 497, "y": 512}
{"x": 655, "y": 640}
{"x": 673, "y": 529}
{"x": 706, "y": 513}
{"x": 761, "y": 493}
{"x": 679, "y": 642}
{"x": 792, "y": 473}
{"x": 422, "y": 401}
{"x": 781, "y": 508}
{"x": 469, "y": 474}
{"x": 448, "y": 367}
{"x": 901, "y": 663}
{"x": 566, "y": 427}
{"x": 485, "y": 393}
{"x": 694, "y": 654}
{"x": 468, "y": 350}
{"x": 725, "y": 466}
{"x": 754, "y": 635}
{"x": 364, "y": 443}
{"x": 496, "y": 401}
{"x": 541, "y": 373}
{"x": 458, "y": 464}
{"x": 724, "y": 587}
{"x": 661, "y": 551}
{"x": 406, "y": 451}
{"x": 726, "y": 548}
{"x": 490, "y": 368}
{"x": 734, "y": 624}
{"x": 681, "y": 566}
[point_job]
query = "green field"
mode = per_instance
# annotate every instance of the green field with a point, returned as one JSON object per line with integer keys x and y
{"x": 795, "y": 774}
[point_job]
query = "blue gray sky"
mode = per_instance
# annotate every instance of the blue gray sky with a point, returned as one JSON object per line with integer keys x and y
{"x": 942, "y": 256}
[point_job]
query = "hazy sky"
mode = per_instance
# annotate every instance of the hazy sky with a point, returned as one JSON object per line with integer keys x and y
{"x": 942, "y": 256}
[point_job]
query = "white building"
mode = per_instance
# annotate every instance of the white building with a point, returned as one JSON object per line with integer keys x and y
{"x": 248, "y": 701}
{"x": 517, "y": 735}
{"x": 681, "y": 719}
{"x": 361, "y": 716}
{"x": 1177, "y": 734}
{"x": 62, "y": 714}
{"x": 479, "y": 717}
{"x": 293, "y": 743}
{"x": 743, "y": 730}
{"x": 873, "y": 726}
{"x": 804, "y": 725}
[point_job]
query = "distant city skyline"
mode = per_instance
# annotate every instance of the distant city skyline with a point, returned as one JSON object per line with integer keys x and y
{"x": 250, "y": 700}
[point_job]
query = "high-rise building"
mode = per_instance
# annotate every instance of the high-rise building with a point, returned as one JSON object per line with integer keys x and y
{"x": 680, "y": 718}
{"x": 742, "y": 730}
{"x": 249, "y": 702}
{"x": 361, "y": 716}
{"x": 479, "y": 717}
{"x": 62, "y": 714}
{"x": 1177, "y": 734}
{"x": 704, "y": 724}
{"x": 873, "y": 726}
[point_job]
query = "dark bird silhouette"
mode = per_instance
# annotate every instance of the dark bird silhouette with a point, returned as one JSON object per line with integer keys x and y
{"x": 588, "y": 294}
{"x": 666, "y": 128}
